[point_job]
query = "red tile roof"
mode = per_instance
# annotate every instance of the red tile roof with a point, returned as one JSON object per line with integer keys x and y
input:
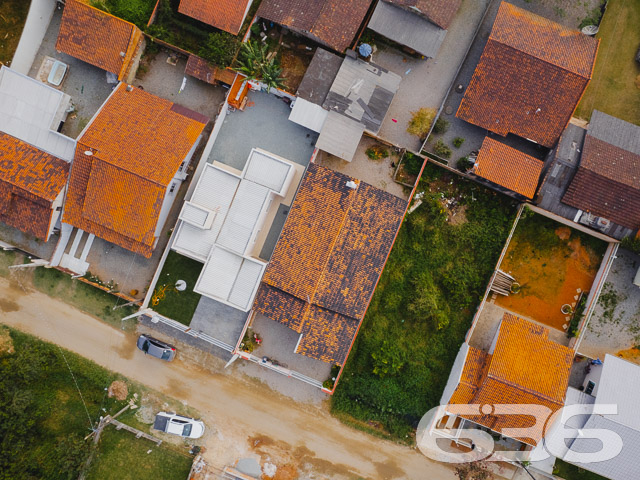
{"x": 440, "y": 12}
{"x": 508, "y": 167}
{"x": 607, "y": 183}
{"x": 327, "y": 262}
{"x": 334, "y": 23}
{"x": 226, "y": 15}
{"x": 98, "y": 38}
{"x": 526, "y": 368}
{"x": 530, "y": 77}
{"x": 30, "y": 181}
{"x": 138, "y": 142}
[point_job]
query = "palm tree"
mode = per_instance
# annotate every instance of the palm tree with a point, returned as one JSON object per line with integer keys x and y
{"x": 255, "y": 63}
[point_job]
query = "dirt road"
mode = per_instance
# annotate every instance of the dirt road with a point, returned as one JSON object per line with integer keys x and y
{"x": 246, "y": 419}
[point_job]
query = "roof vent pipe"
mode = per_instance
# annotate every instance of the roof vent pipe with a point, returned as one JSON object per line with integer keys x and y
{"x": 129, "y": 88}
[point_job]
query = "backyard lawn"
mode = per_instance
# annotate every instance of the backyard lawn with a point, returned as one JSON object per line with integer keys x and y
{"x": 178, "y": 306}
{"x": 122, "y": 456}
{"x": 137, "y": 12}
{"x": 615, "y": 86}
{"x": 553, "y": 264}
{"x": 13, "y": 15}
{"x": 434, "y": 280}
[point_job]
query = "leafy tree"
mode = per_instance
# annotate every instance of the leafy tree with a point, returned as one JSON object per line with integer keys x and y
{"x": 256, "y": 63}
{"x": 219, "y": 49}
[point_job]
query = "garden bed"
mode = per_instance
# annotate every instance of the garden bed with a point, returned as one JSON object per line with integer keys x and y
{"x": 435, "y": 277}
{"x": 553, "y": 264}
{"x": 178, "y": 306}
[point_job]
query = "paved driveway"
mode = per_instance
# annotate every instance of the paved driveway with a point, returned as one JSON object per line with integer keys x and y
{"x": 425, "y": 83}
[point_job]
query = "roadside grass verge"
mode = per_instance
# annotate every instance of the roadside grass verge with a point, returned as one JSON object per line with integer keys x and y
{"x": 179, "y": 306}
{"x": 571, "y": 472}
{"x": 122, "y": 456}
{"x": 57, "y": 284}
{"x": 613, "y": 88}
{"x": 435, "y": 277}
{"x": 84, "y": 297}
{"x": 44, "y": 419}
{"x": 13, "y": 15}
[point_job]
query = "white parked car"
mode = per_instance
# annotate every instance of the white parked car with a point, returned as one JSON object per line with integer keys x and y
{"x": 178, "y": 425}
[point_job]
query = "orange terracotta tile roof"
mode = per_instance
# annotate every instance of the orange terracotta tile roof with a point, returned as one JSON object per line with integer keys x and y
{"x": 334, "y": 23}
{"x": 138, "y": 142}
{"x": 226, "y": 15}
{"x": 30, "y": 181}
{"x": 508, "y": 167}
{"x": 526, "y": 368}
{"x": 440, "y": 12}
{"x": 328, "y": 260}
{"x": 530, "y": 77}
{"x": 97, "y": 37}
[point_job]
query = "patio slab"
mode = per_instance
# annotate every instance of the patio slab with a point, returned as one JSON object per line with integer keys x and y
{"x": 263, "y": 124}
{"x": 28, "y": 243}
{"x": 279, "y": 343}
{"x": 613, "y": 327}
{"x": 165, "y": 80}
{"x": 87, "y": 85}
{"x": 218, "y": 320}
{"x": 378, "y": 173}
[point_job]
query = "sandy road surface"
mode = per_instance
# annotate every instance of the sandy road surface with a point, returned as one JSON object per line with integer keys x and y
{"x": 239, "y": 412}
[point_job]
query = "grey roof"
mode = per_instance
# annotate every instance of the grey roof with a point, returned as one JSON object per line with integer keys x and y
{"x": 32, "y": 111}
{"x": 615, "y": 131}
{"x": 407, "y": 28}
{"x": 340, "y": 136}
{"x": 319, "y": 76}
{"x": 623, "y": 466}
{"x": 362, "y": 91}
{"x": 619, "y": 385}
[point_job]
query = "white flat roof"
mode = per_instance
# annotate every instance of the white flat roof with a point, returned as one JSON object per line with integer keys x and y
{"x": 220, "y": 222}
{"x": 31, "y": 111}
{"x": 230, "y": 278}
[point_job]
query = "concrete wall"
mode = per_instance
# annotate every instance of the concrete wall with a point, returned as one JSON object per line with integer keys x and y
{"x": 38, "y": 19}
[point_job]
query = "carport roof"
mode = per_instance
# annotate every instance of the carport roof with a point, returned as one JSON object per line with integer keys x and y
{"x": 407, "y": 28}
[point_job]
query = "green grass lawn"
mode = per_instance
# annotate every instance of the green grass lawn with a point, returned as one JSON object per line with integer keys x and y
{"x": 571, "y": 472}
{"x": 434, "y": 280}
{"x": 122, "y": 456}
{"x": 614, "y": 88}
{"x": 134, "y": 11}
{"x": 13, "y": 15}
{"x": 179, "y": 306}
{"x": 43, "y": 419}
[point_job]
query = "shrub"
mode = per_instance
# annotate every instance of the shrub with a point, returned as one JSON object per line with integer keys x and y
{"x": 377, "y": 152}
{"x": 631, "y": 243}
{"x": 441, "y": 126}
{"x": 458, "y": 141}
{"x": 441, "y": 149}
{"x": 593, "y": 18}
{"x": 421, "y": 121}
{"x": 219, "y": 49}
{"x": 412, "y": 163}
{"x": 134, "y": 11}
{"x": 464, "y": 164}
